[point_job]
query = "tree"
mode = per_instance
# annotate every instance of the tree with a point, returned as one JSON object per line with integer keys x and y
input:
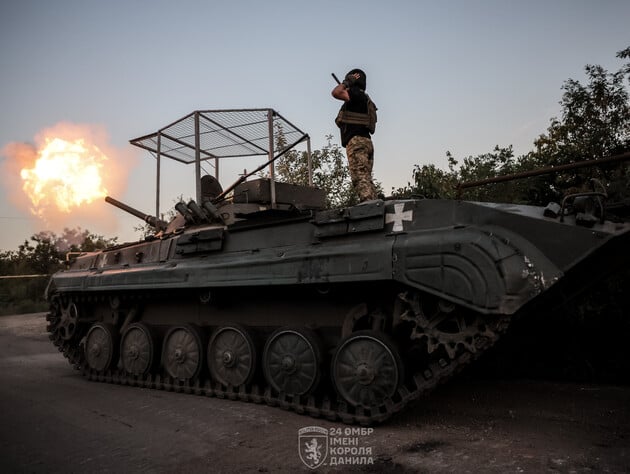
{"x": 431, "y": 182}
{"x": 45, "y": 252}
{"x": 76, "y": 240}
{"x": 41, "y": 255}
{"x": 44, "y": 257}
{"x": 594, "y": 123}
{"x": 595, "y": 118}
{"x": 329, "y": 170}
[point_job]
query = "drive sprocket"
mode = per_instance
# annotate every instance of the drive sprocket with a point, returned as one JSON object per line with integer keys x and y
{"x": 444, "y": 325}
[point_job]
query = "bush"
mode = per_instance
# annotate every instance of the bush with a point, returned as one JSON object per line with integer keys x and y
{"x": 24, "y": 294}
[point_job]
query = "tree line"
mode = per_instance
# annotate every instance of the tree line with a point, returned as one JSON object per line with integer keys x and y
{"x": 33, "y": 263}
{"x": 45, "y": 252}
{"x": 594, "y": 124}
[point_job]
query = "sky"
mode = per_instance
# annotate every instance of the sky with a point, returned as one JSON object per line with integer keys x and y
{"x": 454, "y": 75}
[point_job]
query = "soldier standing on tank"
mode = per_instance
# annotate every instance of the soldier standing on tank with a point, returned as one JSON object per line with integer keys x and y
{"x": 357, "y": 122}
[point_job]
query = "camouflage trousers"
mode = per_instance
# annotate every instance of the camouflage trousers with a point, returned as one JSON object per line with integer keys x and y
{"x": 360, "y": 153}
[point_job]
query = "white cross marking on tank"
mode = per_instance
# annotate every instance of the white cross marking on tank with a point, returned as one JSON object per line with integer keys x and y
{"x": 398, "y": 217}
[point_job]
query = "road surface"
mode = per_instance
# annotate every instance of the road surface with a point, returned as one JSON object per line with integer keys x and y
{"x": 53, "y": 420}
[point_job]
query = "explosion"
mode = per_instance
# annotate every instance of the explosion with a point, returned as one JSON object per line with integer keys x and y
{"x": 67, "y": 173}
{"x": 62, "y": 177}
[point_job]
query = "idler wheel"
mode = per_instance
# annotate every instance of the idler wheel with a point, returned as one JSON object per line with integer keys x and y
{"x": 137, "y": 349}
{"x": 183, "y": 354}
{"x": 231, "y": 356}
{"x": 292, "y": 361}
{"x": 101, "y": 346}
{"x": 366, "y": 369}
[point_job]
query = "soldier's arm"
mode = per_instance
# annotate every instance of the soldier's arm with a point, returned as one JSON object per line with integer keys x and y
{"x": 341, "y": 93}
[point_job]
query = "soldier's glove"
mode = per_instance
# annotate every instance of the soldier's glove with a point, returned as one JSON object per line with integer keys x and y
{"x": 349, "y": 81}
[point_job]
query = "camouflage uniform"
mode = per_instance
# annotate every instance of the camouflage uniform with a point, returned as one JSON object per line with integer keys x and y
{"x": 360, "y": 153}
{"x": 357, "y": 122}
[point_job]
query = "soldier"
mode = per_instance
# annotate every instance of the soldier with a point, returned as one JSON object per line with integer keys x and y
{"x": 357, "y": 121}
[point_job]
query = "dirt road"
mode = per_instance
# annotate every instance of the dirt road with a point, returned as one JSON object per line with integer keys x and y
{"x": 53, "y": 420}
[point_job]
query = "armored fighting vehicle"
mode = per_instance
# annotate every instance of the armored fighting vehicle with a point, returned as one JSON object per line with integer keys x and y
{"x": 259, "y": 293}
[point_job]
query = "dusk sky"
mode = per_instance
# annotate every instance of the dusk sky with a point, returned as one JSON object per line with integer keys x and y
{"x": 461, "y": 76}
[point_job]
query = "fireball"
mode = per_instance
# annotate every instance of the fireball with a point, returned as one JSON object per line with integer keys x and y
{"x": 66, "y": 175}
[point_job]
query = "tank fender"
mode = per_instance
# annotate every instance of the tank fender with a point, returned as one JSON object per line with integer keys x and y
{"x": 488, "y": 269}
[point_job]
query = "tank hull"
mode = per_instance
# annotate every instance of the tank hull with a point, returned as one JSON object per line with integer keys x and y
{"x": 284, "y": 305}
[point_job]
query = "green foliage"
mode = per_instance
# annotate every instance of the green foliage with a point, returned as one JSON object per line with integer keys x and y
{"x": 433, "y": 183}
{"x": 329, "y": 169}
{"x": 26, "y": 270}
{"x": 595, "y": 123}
{"x": 22, "y": 295}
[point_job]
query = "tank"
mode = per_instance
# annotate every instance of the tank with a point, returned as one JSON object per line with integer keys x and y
{"x": 263, "y": 295}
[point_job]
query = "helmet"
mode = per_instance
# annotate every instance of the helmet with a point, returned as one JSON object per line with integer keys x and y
{"x": 360, "y": 82}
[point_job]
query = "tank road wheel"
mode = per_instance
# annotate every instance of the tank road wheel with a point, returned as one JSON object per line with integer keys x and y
{"x": 137, "y": 349}
{"x": 292, "y": 361}
{"x": 366, "y": 369}
{"x": 69, "y": 320}
{"x": 231, "y": 356}
{"x": 101, "y": 347}
{"x": 182, "y": 356}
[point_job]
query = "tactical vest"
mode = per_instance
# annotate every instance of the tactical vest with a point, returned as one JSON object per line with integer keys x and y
{"x": 358, "y": 118}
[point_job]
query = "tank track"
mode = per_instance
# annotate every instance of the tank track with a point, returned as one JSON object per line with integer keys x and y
{"x": 333, "y": 409}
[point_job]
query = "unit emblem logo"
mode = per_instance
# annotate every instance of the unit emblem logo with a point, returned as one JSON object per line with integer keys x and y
{"x": 313, "y": 445}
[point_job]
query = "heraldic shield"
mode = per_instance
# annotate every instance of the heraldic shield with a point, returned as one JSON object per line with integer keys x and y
{"x": 313, "y": 445}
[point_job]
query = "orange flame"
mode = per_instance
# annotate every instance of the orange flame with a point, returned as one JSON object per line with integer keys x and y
{"x": 62, "y": 176}
{"x": 66, "y": 174}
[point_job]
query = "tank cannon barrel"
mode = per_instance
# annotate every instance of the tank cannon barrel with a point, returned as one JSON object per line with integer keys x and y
{"x": 153, "y": 221}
